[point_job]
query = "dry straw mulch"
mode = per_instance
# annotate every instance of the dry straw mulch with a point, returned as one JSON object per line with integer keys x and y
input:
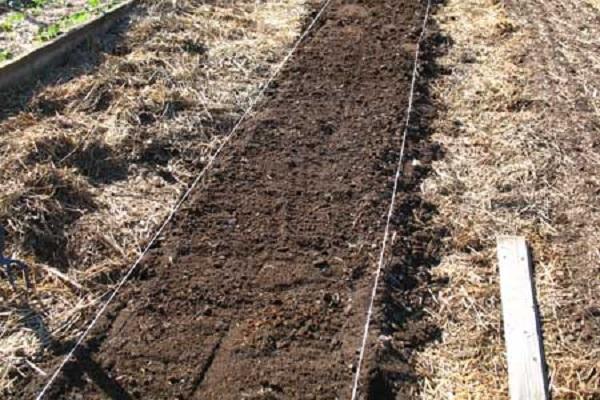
{"x": 90, "y": 164}
{"x": 521, "y": 130}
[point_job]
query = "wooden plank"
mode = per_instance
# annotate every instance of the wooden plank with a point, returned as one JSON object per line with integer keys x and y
{"x": 524, "y": 351}
{"x": 30, "y": 66}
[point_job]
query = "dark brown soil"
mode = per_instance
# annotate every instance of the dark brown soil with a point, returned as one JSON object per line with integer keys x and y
{"x": 259, "y": 288}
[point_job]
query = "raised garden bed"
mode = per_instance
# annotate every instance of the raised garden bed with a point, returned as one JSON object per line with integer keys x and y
{"x": 36, "y": 35}
{"x": 29, "y": 24}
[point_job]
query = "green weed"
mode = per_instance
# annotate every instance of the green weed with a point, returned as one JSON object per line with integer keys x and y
{"x": 54, "y": 30}
{"x": 5, "y": 55}
{"x": 11, "y": 20}
{"x": 38, "y": 3}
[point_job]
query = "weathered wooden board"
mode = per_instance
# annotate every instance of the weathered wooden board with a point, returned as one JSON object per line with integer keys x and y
{"x": 30, "y": 66}
{"x": 524, "y": 351}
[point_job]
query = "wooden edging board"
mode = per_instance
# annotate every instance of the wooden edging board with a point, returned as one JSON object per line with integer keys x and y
{"x": 524, "y": 351}
{"x": 30, "y": 66}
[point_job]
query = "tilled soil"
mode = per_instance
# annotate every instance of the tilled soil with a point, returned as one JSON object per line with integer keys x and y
{"x": 259, "y": 288}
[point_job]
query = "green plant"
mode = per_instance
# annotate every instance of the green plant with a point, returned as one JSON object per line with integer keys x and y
{"x": 38, "y": 3}
{"x": 5, "y": 55}
{"x": 76, "y": 19}
{"x": 48, "y": 32}
{"x": 52, "y": 31}
{"x": 16, "y": 17}
{"x": 6, "y": 26}
{"x": 11, "y": 20}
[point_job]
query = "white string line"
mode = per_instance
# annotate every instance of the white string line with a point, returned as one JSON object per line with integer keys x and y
{"x": 178, "y": 204}
{"x": 391, "y": 209}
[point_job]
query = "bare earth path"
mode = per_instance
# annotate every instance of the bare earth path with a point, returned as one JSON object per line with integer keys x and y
{"x": 259, "y": 288}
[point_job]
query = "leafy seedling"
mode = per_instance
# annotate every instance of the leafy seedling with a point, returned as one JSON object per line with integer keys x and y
{"x": 76, "y": 18}
{"x": 54, "y": 30}
{"x": 11, "y": 20}
{"x": 38, "y": 3}
{"x": 5, "y": 55}
{"x": 49, "y": 32}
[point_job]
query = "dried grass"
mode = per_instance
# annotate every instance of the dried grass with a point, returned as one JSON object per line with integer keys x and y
{"x": 520, "y": 132}
{"x": 91, "y": 165}
{"x": 594, "y": 3}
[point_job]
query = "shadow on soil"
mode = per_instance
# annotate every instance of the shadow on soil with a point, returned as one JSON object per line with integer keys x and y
{"x": 45, "y": 235}
{"x": 86, "y": 368}
{"x": 540, "y": 327}
{"x": 83, "y": 60}
{"x": 409, "y": 286}
{"x": 48, "y": 238}
{"x": 46, "y": 227}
